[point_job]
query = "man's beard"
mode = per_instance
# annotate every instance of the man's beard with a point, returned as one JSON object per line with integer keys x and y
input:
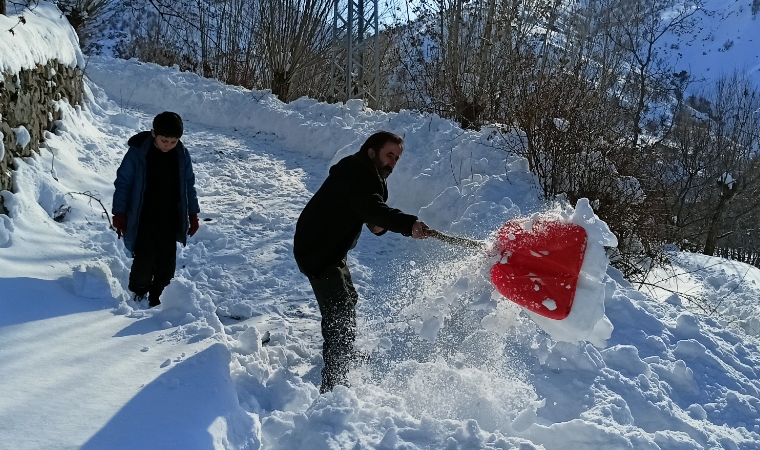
{"x": 384, "y": 171}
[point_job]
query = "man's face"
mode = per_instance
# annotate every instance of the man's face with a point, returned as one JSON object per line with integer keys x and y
{"x": 164, "y": 143}
{"x": 385, "y": 160}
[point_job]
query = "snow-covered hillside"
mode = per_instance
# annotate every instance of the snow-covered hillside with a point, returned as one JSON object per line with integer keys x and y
{"x": 725, "y": 37}
{"x": 231, "y": 358}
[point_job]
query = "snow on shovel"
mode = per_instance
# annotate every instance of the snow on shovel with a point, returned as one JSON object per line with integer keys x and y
{"x": 539, "y": 263}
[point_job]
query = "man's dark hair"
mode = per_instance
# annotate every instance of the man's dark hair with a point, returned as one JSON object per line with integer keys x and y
{"x": 168, "y": 124}
{"x": 378, "y": 141}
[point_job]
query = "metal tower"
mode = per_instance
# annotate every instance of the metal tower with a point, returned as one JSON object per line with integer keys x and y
{"x": 355, "y": 69}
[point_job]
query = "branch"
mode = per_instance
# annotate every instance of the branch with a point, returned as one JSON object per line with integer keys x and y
{"x": 30, "y": 5}
{"x": 703, "y": 305}
{"x": 97, "y": 199}
{"x": 168, "y": 12}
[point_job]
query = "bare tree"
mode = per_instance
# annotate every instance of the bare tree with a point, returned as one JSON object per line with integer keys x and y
{"x": 83, "y": 15}
{"x": 707, "y": 170}
{"x": 736, "y": 139}
{"x": 455, "y": 54}
{"x": 636, "y": 27}
{"x": 253, "y": 43}
{"x": 295, "y": 35}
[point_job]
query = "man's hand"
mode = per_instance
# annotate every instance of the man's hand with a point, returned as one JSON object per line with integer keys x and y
{"x": 375, "y": 229}
{"x": 120, "y": 224}
{"x": 419, "y": 230}
{"x": 194, "y": 224}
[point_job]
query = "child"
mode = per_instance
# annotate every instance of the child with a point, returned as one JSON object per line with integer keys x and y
{"x": 155, "y": 204}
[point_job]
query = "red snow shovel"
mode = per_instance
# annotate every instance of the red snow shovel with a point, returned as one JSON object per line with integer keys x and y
{"x": 539, "y": 264}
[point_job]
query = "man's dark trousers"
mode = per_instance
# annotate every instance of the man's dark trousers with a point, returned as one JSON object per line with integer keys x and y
{"x": 337, "y": 299}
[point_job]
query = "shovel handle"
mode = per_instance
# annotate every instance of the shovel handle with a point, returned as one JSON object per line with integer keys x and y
{"x": 455, "y": 240}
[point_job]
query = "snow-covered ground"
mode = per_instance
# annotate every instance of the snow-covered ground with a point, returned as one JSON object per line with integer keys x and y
{"x": 231, "y": 359}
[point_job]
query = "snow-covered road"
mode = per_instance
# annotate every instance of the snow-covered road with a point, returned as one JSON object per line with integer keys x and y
{"x": 160, "y": 372}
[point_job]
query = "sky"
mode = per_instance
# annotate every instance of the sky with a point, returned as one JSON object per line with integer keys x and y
{"x": 232, "y": 357}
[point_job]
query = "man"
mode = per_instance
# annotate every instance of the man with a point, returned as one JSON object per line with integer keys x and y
{"x": 354, "y": 194}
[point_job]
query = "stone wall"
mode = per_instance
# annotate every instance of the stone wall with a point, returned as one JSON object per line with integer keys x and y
{"x": 27, "y": 99}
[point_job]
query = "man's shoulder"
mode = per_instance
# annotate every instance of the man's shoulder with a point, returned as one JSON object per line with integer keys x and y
{"x": 346, "y": 161}
{"x": 355, "y": 166}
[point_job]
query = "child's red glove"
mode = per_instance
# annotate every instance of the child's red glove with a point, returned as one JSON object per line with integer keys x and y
{"x": 194, "y": 224}
{"x": 120, "y": 223}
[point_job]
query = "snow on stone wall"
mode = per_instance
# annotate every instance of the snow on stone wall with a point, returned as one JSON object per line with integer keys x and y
{"x": 40, "y": 63}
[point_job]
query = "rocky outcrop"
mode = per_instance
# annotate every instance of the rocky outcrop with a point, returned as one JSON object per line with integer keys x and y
{"x": 28, "y": 109}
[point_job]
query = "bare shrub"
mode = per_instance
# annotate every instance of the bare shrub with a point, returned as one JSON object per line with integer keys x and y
{"x": 83, "y": 15}
{"x": 281, "y": 45}
{"x": 576, "y": 140}
{"x": 455, "y": 56}
{"x": 707, "y": 171}
{"x": 296, "y": 37}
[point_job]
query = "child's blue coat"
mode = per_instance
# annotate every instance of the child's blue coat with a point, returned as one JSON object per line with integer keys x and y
{"x": 130, "y": 186}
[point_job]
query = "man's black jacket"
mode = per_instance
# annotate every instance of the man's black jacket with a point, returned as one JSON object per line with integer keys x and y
{"x": 330, "y": 224}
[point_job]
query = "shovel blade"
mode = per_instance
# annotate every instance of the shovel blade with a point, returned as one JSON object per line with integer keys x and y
{"x": 539, "y": 266}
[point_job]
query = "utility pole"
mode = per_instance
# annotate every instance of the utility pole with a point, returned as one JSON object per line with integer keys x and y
{"x": 355, "y": 68}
